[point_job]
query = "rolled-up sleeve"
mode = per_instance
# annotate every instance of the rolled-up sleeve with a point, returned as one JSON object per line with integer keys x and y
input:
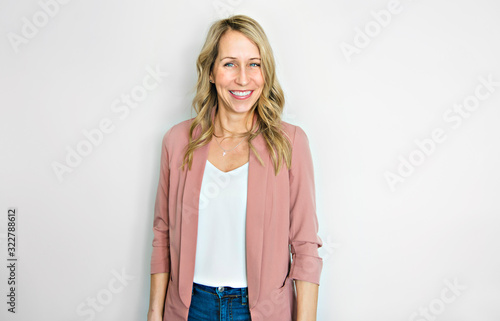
{"x": 304, "y": 239}
{"x": 160, "y": 257}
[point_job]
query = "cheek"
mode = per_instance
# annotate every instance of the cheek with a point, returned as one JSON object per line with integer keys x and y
{"x": 221, "y": 91}
{"x": 260, "y": 80}
{"x": 261, "y": 84}
{"x": 223, "y": 78}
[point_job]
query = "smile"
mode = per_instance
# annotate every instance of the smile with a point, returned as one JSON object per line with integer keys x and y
{"x": 241, "y": 94}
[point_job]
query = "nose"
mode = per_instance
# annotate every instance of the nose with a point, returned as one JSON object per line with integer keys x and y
{"x": 242, "y": 77}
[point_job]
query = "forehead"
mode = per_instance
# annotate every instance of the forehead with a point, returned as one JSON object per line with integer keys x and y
{"x": 236, "y": 44}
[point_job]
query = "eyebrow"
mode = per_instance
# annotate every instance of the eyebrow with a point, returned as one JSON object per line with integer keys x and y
{"x": 255, "y": 58}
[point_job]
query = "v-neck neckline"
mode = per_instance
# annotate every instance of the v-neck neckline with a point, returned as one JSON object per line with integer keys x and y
{"x": 229, "y": 171}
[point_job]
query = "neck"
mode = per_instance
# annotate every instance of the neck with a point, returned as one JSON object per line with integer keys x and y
{"x": 233, "y": 123}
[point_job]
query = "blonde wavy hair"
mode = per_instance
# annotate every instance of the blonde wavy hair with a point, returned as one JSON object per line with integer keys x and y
{"x": 268, "y": 108}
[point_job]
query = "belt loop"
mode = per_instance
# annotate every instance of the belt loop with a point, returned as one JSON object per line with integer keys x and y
{"x": 244, "y": 297}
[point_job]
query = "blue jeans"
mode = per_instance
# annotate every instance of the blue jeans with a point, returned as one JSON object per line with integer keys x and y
{"x": 210, "y": 303}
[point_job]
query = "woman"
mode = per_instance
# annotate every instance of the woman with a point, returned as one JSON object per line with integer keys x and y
{"x": 226, "y": 208}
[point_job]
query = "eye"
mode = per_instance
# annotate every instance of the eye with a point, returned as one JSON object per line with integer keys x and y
{"x": 255, "y": 64}
{"x": 229, "y": 63}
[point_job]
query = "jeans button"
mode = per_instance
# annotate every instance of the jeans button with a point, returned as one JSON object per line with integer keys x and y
{"x": 221, "y": 288}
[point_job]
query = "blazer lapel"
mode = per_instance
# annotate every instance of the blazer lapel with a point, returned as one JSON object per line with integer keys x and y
{"x": 256, "y": 200}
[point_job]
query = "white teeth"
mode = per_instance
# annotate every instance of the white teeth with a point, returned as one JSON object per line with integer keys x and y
{"x": 240, "y": 93}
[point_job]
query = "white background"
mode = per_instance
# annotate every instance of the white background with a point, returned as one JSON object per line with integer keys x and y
{"x": 387, "y": 251}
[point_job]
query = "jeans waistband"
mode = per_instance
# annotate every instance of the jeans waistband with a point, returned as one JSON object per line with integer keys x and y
{"x": 222, "y": 289}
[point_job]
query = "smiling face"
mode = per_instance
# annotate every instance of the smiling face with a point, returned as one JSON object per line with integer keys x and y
{"x": 236, "y": 72}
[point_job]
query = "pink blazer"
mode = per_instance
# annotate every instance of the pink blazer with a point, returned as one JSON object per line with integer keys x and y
{"x": 281, "y": 219}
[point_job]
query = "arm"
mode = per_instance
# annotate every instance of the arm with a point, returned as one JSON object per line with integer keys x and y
{"x": 159, "y": 284}
{"x": 160, "y": 257}
{"x": 307, "y": 300}
{"x": 306, "y": 262}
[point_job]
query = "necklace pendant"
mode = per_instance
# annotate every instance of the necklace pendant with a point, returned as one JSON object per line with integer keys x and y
{"x": 223, "y": 153}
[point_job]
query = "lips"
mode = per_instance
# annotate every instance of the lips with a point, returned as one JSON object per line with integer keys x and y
{"x": 241, "y": 94}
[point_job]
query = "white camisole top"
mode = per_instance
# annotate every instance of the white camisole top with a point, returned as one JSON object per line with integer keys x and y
{"x": 220, "y": 245}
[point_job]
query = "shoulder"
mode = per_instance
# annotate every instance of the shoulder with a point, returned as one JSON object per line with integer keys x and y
{"x": 301, "y": 153}
{"x": 295, "y": 132}
{"x": 177, "y": 134}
